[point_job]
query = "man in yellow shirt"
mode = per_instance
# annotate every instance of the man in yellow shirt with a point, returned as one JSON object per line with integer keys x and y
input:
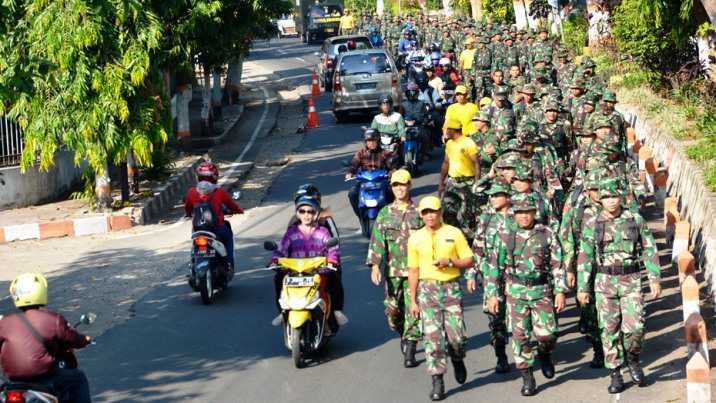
{"x": 462, "y": 111}
{"x": 459, "y": 172}
{"x": 347, "y": 23}
{"x": 436, "y": 254}
{"x": 467, "y": 55}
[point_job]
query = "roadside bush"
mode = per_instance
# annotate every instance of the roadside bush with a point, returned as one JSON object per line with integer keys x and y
{"x": 637, "y": 34}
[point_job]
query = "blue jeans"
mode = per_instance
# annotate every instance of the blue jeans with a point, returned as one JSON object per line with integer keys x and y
{"x": 70, "y": 385}
{"x": 226, "y": 236}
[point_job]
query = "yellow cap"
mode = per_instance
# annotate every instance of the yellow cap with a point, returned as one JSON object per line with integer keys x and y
{"x": 429, "y": 203}
{"x": 469, "y": 40}
{"x": 453, "y": 124}
{"x": 461, "y": 89}
{"x": 400, "y": 176}
{"x": 485, "y": 101}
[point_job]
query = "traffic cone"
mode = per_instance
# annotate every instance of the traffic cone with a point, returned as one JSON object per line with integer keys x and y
{"x": 315, "y": 90}
{"x": 312, "y": 122}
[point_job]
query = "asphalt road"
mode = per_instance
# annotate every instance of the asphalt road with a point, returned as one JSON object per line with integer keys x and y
{"x": 174, "y": 348}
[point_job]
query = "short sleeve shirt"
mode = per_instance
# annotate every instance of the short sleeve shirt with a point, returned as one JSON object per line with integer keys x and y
{"x": 460, "y": 152}
{"x": 463, "y": 114}
{"x": 425, "y": 247}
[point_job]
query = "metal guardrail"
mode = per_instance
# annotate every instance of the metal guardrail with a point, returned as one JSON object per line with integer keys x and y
{"x": 11, "y": 143}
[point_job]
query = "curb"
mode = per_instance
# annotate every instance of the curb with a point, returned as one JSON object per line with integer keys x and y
{"x": 100, "y": 224}
{"x": 210, "y": 141}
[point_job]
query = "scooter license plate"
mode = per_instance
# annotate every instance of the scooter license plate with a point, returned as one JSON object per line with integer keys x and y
{"x": 298, "y": 281}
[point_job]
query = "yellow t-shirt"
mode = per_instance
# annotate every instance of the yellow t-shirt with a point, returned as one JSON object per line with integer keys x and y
{"x": 463, "y": 114}
{"x": 347, "y": 22}
{"x": 467, "y": 56}
{"x": 425, "y": 247}
{"x": 459, "y": 152}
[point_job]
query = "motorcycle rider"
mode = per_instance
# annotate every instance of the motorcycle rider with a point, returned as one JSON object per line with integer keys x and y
{"x": 447, "y": 73}
{"x": 207, "y": 191}
{"x": 374, "y": 37}
{"x": 389, "y": 121}
{"x": 370, "y": 158}
{"x": 412, "y": 108}
{"x": 31, "y": 340}
{"x": 306, "y": 239}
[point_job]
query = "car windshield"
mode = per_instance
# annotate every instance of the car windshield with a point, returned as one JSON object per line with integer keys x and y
{"x": 325, "y": 11}
{"x": 361, "y": 43}
{"x": 366, "y": 63}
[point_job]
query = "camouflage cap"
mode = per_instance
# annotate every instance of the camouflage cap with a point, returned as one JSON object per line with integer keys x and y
{"x": 509, "y": 159}
{"x": 578, "y": 82}
{"x": 552, "y": 105}
{"x": 508, "y": 38}
{"x": 514, "y": 144}
{"x": 527, "y": 127}
{"x": 523, "y": 202}
{"x": 563, "y": 53}
{"x": 610, "y": 145}
{"x": 484, "y": 39}
{"x": 501, "y": 94}
{"x": 497, "y": 188}
{"x": 523, "y": 173}
{"x": 609, "y": 187}
{"x": 591, "y": 99}
{"x": 528, "y": 89}
{"x": 609, "y": 96}
{"x": 599, "y": 120}
{"x": 587, "y": 62}
{"x": 482, "y": 116}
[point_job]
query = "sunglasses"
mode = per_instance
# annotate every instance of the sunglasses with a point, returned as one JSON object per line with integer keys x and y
{"x": 302, "y": 211}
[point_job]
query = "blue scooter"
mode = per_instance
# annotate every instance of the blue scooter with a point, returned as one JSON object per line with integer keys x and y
{"x": 371, "y": 197}
{"x": 411, "y": 147}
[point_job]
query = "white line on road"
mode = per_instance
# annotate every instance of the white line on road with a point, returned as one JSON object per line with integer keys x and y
{"x": 300, "y": 59}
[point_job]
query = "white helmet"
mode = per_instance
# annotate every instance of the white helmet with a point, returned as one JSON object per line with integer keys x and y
{"x": 444, "y": 61}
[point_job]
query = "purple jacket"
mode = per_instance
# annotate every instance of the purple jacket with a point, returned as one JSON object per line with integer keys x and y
{"x": 295, "y": 244}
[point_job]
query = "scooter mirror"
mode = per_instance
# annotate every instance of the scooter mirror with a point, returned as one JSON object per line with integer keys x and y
{"x": 331, "y": 242}
{"x": 236, "y": 195}
{"x": 270, "y": 245}
{"x": 88, "y": 318}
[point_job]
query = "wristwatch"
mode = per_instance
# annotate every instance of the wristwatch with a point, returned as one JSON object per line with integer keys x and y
{"x": 450, "y": 263}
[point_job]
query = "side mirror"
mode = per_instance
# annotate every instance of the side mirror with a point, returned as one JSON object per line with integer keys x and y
{"x": 88, "y": 318}
{"x": 331, "y": 242}
{"x": 236, "y": 195}
{"x": 270, "y": 246}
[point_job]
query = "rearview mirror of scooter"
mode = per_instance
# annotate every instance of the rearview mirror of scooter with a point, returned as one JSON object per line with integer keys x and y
{"x": 88, "y": 318}
{"x": 270, "y": 246}
{"x": 331, "y": 242}
{"x": 236, "y": 195}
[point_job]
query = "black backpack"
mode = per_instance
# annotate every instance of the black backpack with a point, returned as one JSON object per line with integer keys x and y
{"x": 204, "y": 217}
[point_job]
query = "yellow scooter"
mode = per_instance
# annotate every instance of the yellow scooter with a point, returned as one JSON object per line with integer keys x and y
{"x": 305, "y": 303}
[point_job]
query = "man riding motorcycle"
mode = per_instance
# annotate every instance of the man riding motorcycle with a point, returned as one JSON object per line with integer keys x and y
{"x": 306, "y": 239}
{"x": 207, "y": 191}
{"x": 370, "y": 158}
{"x": 31, "y": 340}
{"x": 388, "y": 121}
{"x": 412, "y": 107}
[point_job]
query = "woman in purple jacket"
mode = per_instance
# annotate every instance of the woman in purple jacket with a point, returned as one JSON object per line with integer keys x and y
{"x": 307, "y": 239}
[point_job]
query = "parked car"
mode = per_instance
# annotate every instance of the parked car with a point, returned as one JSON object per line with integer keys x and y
{"x": 361, "y": 79}
{"x": 329, "y": 53}
{"x": 286, "y": 27}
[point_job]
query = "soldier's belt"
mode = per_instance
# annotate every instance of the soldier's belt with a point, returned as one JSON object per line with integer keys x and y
{"x": 541, "y": 280}
{"x": 621, "y": 270}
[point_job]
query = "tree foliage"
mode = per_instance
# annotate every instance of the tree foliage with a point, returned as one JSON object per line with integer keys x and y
{"x": 499, "y": 10}
{"x": 88, "y": 74}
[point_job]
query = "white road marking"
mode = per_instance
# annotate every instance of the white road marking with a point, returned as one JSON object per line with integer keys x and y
{"x": 300, "y": 59}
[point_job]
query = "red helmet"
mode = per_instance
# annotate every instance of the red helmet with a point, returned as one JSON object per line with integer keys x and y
{"x": 207, "y": 171}
{"x": 351, "y": 44}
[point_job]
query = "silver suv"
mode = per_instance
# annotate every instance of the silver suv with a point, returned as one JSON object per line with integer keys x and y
{"x": 361, "y": 78}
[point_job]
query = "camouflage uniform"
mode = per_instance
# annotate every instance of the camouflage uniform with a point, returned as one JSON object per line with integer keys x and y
{"x": 459, "y": 206}
{"x": 443, "y": 323}
{"x": 529, "y": 262}
{"x": 388, "y": 249}
{"x": 503, "y": 121}
{"x": 481, "y": 68}
{"x": 610, "y": 255}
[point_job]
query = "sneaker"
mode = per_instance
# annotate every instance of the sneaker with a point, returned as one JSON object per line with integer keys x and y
{"x": 277, "y": 321}
{"x": 341, "y": 319}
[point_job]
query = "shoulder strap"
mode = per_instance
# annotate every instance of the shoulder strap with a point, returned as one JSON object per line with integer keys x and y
{"x": 511, "y": 241}
{"x": 49, "y": 346}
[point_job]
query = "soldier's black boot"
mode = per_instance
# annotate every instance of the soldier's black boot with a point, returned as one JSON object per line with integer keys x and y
{"x": 438, "y": 392}
{"x": 460, "y": 370}
{"x": 637, "y": 374}
{"x": 547, "y": 365}
{"x": 617, "y": 383}
{"x": 582, "y": 323}
{"x": 598, "y": 358}
{"x": 410, "y": 361}
{"x": 502, "y": 366}
{"x": 529, "y": 386}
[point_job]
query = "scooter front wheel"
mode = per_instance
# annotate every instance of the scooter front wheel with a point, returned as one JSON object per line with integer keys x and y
{"x": 296, "y": 335}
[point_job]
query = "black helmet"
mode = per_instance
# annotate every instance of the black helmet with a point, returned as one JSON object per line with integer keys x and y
{"x": 421, "y": 79}
{"x": 371, "y": 134}
{"x": 386, "y": 100}
{"x": 308, "y": 190}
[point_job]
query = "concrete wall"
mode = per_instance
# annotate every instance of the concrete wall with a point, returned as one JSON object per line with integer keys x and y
{"x": 32, "y": 187}
{"x": 686, "y": 182}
